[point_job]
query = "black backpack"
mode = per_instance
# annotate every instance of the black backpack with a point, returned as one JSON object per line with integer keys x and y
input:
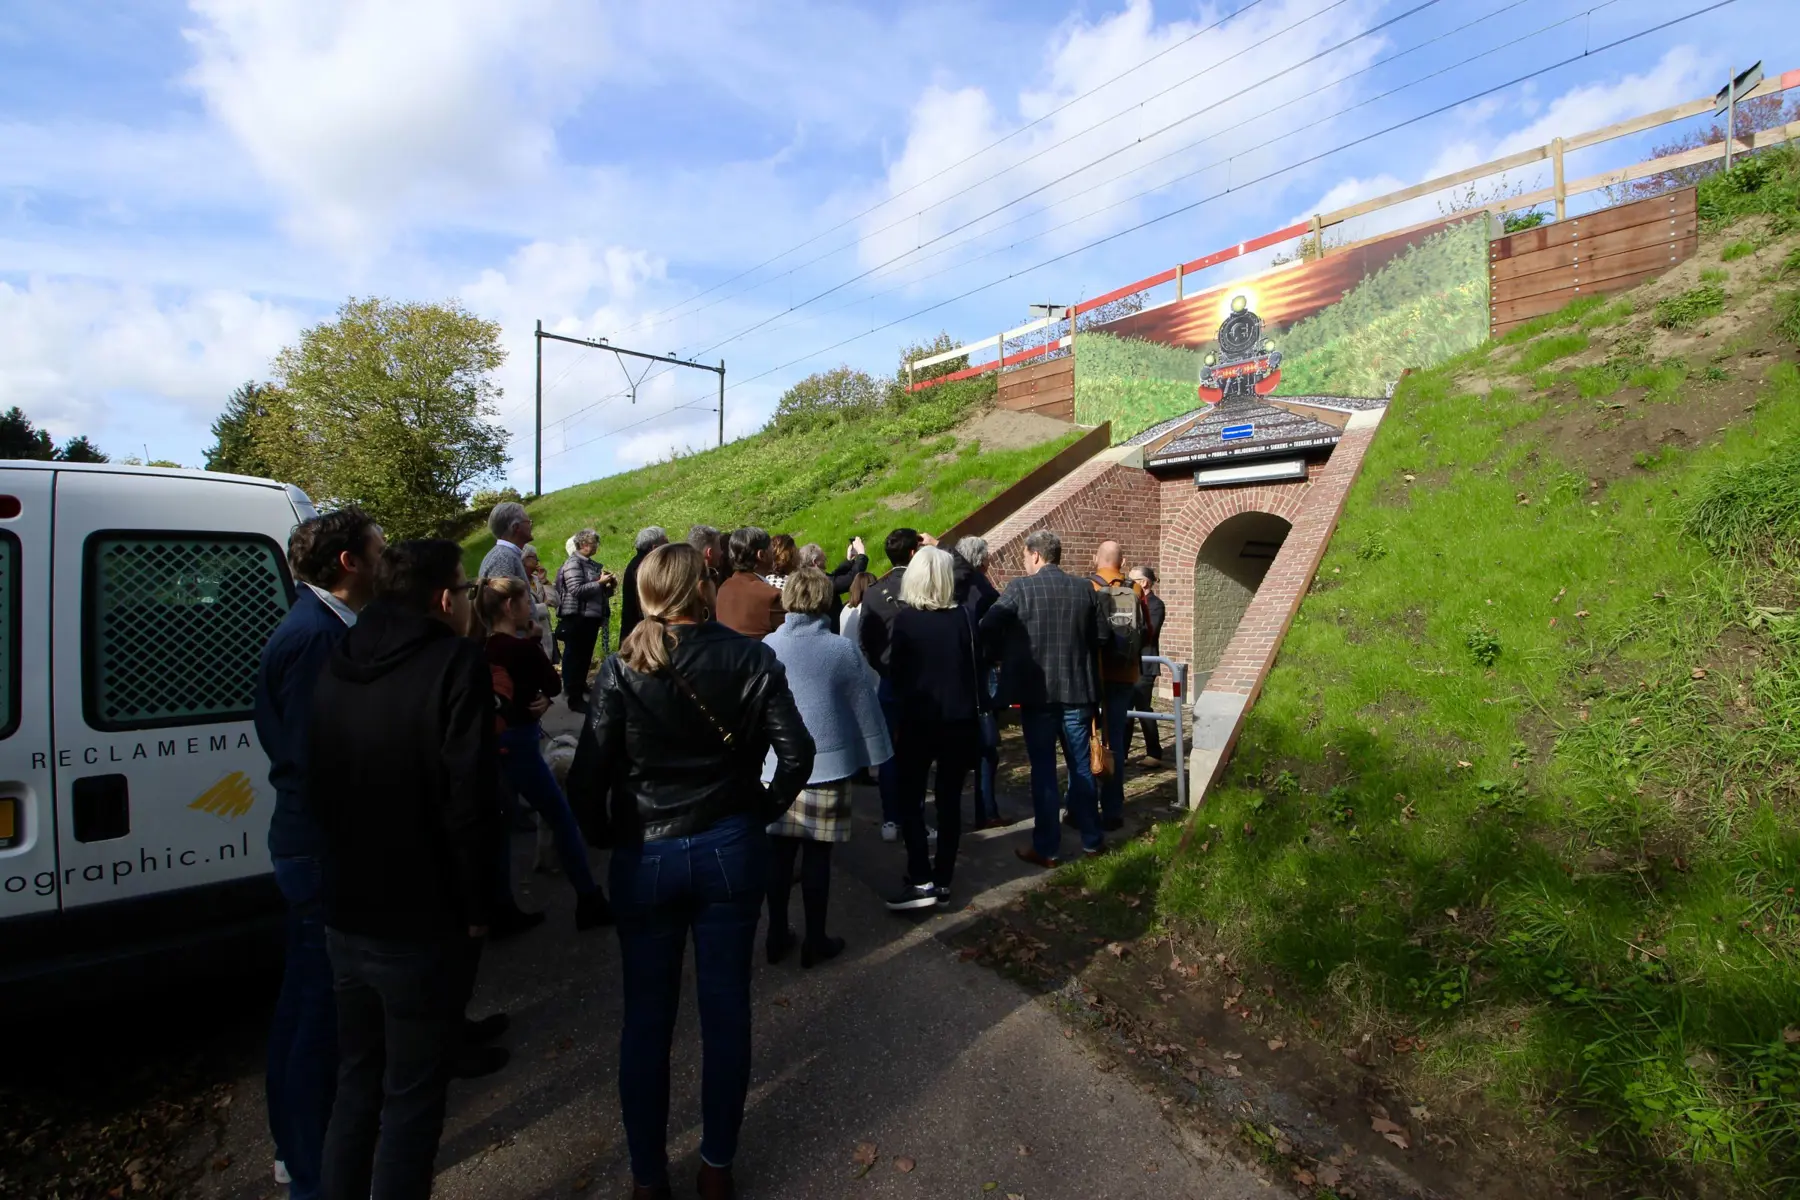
{"x": 1122, "y": 624}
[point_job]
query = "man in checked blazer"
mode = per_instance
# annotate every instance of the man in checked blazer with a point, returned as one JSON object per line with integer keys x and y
{"x": 1045, "y": 629}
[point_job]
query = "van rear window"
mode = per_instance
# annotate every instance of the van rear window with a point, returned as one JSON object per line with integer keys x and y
{"x": 9, "y": 634}
{"x": 176, "y": 624}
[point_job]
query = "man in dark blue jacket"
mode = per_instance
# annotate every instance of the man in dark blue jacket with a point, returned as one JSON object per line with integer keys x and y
{"x": 333, "y": 559}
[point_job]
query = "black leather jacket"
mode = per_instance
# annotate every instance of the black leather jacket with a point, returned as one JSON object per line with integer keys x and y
{"x": 651, "y": 763}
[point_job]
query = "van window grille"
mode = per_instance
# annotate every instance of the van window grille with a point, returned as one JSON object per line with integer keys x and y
{"x": 176, "y": 627}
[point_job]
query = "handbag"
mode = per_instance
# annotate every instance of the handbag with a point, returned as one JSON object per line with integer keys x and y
{"x": 1100, "y": 759}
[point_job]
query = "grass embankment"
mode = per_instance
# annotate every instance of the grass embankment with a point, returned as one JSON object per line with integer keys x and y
{"x": 1522, "y": 796}
{"x": 900, "y": 464}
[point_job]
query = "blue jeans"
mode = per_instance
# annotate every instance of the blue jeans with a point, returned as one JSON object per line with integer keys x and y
{"x": 987, "y": 804}
{"x": 712, "y": 884}
{"x": 400, "y": 1024}
{"x": 1118, "y": 736}
{"x": 302, "y": 1069}
{"x": 532, "y": 778}
{"x": 887, "y": 775}
{"x": 1045, "y": 727}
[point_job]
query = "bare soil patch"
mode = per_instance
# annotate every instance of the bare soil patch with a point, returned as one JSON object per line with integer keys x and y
{"x": 1004, "y": 429}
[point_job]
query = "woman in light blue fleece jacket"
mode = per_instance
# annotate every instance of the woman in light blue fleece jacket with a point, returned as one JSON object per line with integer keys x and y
{"x": 837, "y": 701}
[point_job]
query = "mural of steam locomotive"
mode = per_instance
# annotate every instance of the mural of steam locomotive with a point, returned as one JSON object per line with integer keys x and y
{"x": 1245, "y": 363}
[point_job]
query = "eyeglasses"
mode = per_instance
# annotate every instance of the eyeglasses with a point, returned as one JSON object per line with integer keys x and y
{"x": 466, "y": 589}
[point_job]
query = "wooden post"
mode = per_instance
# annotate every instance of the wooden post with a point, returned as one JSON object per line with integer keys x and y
{"x": 1556, "y": 166}
{"x": 1317, "y": 235}
{"x": 1179, "y": 294}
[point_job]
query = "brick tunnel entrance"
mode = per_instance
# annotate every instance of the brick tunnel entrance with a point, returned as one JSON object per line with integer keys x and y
{"x": 1230, "y": 567}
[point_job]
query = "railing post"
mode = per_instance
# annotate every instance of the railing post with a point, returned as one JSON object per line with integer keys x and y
{"x": 1556, "y": 167}
{"x": 1178, "y": 282}
{"x": 1318, "y": 236}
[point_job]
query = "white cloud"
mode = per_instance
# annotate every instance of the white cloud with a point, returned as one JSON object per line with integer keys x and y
{"x": 948, "y": 125}
{"x": 79, "y": 355}
{"x": 360, "y": 110}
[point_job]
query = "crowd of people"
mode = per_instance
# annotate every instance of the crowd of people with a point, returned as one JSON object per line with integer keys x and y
{"x": 401, "y": 705}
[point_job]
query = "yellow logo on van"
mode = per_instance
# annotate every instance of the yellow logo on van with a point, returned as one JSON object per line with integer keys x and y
{"x": 231, "y": 797}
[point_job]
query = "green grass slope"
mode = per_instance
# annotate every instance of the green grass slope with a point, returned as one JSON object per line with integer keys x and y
{"x": 821, "y": 482}
{"x": 1521, "y": 799}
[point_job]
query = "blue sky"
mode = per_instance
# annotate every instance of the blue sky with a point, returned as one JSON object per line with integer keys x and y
{"x": 186, "y": 186}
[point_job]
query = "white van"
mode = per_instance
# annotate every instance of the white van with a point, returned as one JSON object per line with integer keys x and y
{"x": 134, "y": 795}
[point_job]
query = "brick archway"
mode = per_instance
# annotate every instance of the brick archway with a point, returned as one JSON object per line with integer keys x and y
{"x": 1185, "y": 534}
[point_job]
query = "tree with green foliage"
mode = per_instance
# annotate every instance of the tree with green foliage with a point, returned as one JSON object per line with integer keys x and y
{"x": 840, "y": 394}
{"x": 234, "y": 433}
{"x": 20, "y": 439}
{"x": 79, "y": 450}
{"x": 388, "y": 407}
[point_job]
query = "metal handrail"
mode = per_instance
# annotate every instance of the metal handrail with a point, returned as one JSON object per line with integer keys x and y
{"x": 1179, "y": 673}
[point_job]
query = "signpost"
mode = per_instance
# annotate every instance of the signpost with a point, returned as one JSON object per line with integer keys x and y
{"x": 1726, "y": 102}
{"x": 1237, "y": 433}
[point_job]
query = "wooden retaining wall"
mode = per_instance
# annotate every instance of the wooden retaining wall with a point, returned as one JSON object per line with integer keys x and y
{"x": 1538, "y": 271}
{"x": 1046, "y": 388}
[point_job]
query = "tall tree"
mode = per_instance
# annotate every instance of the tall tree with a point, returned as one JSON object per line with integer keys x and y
{"x": 389, "y": 407}
{"x": 234, "y": 435}
{"x": 19, "y": 438}
{"x": 79, "y": 449}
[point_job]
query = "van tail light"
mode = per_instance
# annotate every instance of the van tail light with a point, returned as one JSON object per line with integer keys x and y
{"x": 10, "y": 833}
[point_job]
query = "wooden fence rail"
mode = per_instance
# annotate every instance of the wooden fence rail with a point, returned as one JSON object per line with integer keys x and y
{"x": 1558, "y": 193}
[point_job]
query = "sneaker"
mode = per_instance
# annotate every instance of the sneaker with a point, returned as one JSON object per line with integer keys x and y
{"x": 890, "y": 832}
{"x": 914, "y": 895}
{"x": 281, "y": 1173}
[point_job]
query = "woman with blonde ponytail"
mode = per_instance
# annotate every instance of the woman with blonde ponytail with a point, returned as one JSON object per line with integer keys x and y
{"x": 669, "y": 774}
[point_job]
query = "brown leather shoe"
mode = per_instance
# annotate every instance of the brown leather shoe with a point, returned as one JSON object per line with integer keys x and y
{"x": 715, "y": 1183}
{"x": 1027, "y": 854}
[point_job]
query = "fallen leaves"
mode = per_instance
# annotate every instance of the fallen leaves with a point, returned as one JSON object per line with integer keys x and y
{"x": 904, "y": 1165}
{"x": 1698, "y": 673}
{"x": 1392, "y": 1132}
{"x": 1277, "y": 1044}
{"x": 1117, "y": 949}
{"x": 863, "y": 1159}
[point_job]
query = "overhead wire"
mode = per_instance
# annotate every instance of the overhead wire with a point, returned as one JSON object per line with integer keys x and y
{"x": 1185, "y": 147}
{"x": 1230, "y": 188}
{"x": 1091, "y": 163}
{"x": 1586, "y": 52}
{"x": 898, "y": 259}
{"x": 941, "y": 172}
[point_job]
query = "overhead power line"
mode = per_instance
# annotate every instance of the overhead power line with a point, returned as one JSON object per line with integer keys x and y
{"x": 1279, "y": 171}
{"x": 900, "y": 258}
{"x": 1225, "y": 99}
{"x": 968, "y": 158}
{"x": 1587, "y": 52}
{"x": 1110, "y": 154}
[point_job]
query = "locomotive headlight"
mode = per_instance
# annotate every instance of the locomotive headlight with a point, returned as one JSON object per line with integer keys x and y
{"x": 1239, "y": 303}
{"x": 1268, "y": 345}
{"x": 1211, "y": 359}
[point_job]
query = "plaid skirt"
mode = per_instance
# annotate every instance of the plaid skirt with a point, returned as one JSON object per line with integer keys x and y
{"x": 821, "y": 814}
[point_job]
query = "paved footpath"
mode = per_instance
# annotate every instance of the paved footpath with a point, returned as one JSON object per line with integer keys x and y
{"x": 896, "y": 1043}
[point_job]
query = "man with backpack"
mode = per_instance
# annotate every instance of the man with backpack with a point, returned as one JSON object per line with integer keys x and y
{"x": 1124, "y": 622}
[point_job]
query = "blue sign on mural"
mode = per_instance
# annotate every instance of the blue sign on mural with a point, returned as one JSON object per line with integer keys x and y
{"x": 1236, "y": 433}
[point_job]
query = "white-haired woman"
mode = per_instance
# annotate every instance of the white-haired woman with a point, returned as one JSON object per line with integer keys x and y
{"x": 935, "y": 675}
{"x": 582, "y": 586}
